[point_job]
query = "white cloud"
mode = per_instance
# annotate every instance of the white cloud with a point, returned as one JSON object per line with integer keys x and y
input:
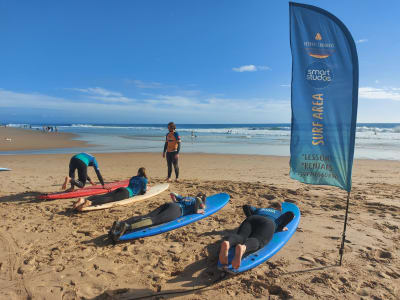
{"x": 104, "y": 95}
{"x": 361, "y": 41}
{"x": 285, "y": 85}
{"x": 251, "y": 68}
{"x": 147, "y": 85}
{"x": 379, "y": 93}
{"x": 151, "y": 108}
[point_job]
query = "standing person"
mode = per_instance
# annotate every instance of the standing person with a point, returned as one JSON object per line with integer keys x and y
{"x": 80, "y": 162}
{"x": 171, "y": 150}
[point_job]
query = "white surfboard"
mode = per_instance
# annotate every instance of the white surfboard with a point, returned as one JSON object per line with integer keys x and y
{"x": 153, "y": 191}
{"x": 5, "y": 169}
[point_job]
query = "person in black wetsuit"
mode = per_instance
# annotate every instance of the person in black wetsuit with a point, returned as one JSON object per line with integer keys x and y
{"x": 81, "y": 162}
{"x": 255, "y": 232}
{"x": 171, "y": 150}
{"x": 181, "y": 206}
{"x": 137, "y": 186}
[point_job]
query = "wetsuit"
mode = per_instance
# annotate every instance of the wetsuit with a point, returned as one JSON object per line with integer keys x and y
{"x": 80, "y": 162}
{"x": 169, "y": 211}
{"x": 172, "y": 147}
{"x": 258, "y": 228}
{"x": 137, "y": 186}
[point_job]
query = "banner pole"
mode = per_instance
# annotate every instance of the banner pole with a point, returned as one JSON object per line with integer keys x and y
{"x": 344, "y": 229}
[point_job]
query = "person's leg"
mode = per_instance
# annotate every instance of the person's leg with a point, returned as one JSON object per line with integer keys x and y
{"x": 169, "y": 164}
{"x": 116, "y": 195}
{"x": 176, "y": 166}
{"x": 79, "y": 165}
{"x": 262, "y": 230}
{"x": 71, "y": 173}
{"x": 240, "y": 237}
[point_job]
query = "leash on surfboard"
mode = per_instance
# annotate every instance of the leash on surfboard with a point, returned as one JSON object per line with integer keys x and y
{"x": 223, "y": 276}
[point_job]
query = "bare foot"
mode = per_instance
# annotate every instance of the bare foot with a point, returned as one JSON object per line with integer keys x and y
{"x": 223, "y": 253}
{"x": 64, "y": 186}
{"x": 85, "y": 204}
{"x": 78, "y": 203}
{"x": 168, "y": 179}
{"x": 176, "y": 180}
{"x": 237, "y": 260}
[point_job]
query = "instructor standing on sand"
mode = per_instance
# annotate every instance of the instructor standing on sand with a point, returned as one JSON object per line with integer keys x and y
{"x": 80, "y": 162}
{"x": 171, "y": 150}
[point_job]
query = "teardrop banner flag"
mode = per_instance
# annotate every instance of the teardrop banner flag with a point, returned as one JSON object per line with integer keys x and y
{"x": 324, "y": 97}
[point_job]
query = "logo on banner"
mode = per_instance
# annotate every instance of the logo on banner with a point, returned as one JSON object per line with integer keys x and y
{"x": 319, "y": 49}
{"x": 319, "y": 75}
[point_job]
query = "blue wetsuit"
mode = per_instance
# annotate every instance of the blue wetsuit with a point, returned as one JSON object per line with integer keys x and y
{"x": 80, "y": 162}
{"x": 137, "y": 186}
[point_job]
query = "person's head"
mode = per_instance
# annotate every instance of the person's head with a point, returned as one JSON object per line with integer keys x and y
{"x": 142, "y": 172}
{"x": 276, "y": 205}
{"x": 171, "y": 126}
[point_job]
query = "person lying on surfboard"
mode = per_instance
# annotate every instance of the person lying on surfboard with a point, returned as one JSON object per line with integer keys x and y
{"x": 80, "y": 162}
{"x": 181, "y": 206}
{"x": 255, "y": 232}
{"x": 137, "y": 186}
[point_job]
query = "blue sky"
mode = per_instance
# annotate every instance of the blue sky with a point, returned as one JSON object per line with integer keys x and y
{"x": 189, "y": 61}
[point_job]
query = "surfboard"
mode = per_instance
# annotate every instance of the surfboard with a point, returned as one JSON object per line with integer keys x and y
{"x": 213, "y": 204}
{"x": 154, "y": 190}
{"x": 86, "y": 191}
{"x": 278, "y": 241}
{"x": 5, "y": 169}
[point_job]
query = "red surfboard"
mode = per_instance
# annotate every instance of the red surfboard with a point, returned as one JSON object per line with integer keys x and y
{"x": 86, "y": 191}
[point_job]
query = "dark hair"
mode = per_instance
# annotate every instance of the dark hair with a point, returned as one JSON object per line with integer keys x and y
{"x": 202, "y": 196}
{"x": 142, "y": 172}
{"x": 172, "y": 125}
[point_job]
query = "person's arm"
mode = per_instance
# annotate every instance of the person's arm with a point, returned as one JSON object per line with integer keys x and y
{"x": 99, "y": 176}
{"x": 90, "y": 180}
{"x": 199, "y": 207}
{"x": 165, "y": 148}
{"x": 283, "y": 220}
{"x": 247, "y": 209}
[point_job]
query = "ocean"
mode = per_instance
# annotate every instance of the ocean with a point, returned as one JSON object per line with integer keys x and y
{"x": 373, "y": 140}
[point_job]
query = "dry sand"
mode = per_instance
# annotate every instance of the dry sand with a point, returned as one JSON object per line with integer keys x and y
{"x": 49, "y": 252}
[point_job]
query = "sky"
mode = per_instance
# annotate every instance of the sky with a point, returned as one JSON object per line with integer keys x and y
{"x": 187, "y": 61}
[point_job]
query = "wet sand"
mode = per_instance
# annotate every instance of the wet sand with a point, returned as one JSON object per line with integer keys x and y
{"x": 49, "y": 252}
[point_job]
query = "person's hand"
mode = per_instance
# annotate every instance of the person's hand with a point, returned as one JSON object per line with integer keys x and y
{"x": 176, "y": 156}
{"x": 285, "y": 229}
{"x": 92, "y": 183}
{"x": 163, "y": 155}
{"x": 201, "y": 211}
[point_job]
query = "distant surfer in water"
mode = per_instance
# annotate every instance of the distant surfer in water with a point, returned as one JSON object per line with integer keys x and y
{"x": 180, "y": 206}
{"x": 137, "y": 186}
{"x": 172, "y": 147}
{"x": 255, "y": 232}
{"x": 81, "y": 162}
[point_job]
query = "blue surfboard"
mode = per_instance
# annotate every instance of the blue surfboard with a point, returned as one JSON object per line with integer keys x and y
{"x": 213, "y": 204}
{"x": 278, "y": 241}
{"x": 5, "y": 169}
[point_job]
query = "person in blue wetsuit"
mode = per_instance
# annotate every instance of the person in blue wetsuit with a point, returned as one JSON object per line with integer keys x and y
{"x": 137, "y": 186}
{"x": 255, "y": 232}
{"x": 180, "y": 206}
{"x": 81, "y": 162}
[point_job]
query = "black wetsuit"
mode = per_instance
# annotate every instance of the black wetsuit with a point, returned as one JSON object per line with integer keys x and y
{"x": 172, "y": 210}
{"x": 172, "y": 147}
{"x": 257, "y": 230}
{"x": 137, "y": 186}
{"x": 80, "y": 162}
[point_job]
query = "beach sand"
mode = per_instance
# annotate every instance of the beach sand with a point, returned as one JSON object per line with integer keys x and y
{"x": 49, "y": 252}
{"x": 15, "y": 139}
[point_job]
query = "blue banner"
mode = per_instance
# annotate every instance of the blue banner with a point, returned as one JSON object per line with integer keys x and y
{"x": 324, "y": 97}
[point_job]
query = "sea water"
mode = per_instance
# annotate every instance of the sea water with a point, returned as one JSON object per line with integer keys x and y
{"x": 373, "y": 140}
